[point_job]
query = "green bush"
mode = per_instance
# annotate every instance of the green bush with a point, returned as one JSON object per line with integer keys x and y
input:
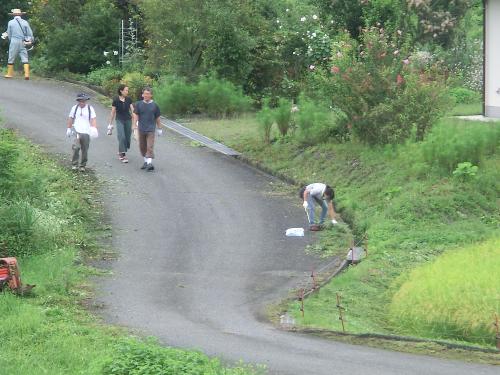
{"x": 385, "y": 98}
{"x": 175, "y": 97}
{"x": 136, "y": 82}
{"x": 316, "y": 123}
{"x": 461, "y": 95}
{"x": 100, "y": 76}
{"x": 135, "y": 357}
{"x": 9, "y": 153}
{"x": 220, "y": 98}
{"x": 283, "y": 116}
{"x": 211, "y": 96}
{"x": 455, "y": 141}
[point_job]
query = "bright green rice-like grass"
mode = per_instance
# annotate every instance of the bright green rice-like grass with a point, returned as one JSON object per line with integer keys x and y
{"x": 455, "y": 297}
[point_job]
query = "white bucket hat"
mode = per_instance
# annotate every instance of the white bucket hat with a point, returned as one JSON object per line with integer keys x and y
{"x": 16, "y": 12}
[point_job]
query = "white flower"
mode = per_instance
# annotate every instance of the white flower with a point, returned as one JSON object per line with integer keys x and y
{"x": 396, "y": 52}
{"x": 106, "y": 53}
{"x": 399, "y": 32}
{"x": 115, "y": 53}
{"x": 277, "y": 21}
{"x": 311, "y": 67}
{"x": 315, "y": 17}
{"x": 302, "y": 19}
{"x": 339, "y": 54}
{"x": 108, "y": 62}
{"x": 287, "y": 10}
{"x": 313, "y": 35}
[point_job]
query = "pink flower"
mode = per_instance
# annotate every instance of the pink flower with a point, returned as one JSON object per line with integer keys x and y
{"x": 399, "y": 79}
{"x": 335, "y": 69}
{"x": 406, "y": 61}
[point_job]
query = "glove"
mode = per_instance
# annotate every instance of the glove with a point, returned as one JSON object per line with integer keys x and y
{"x": 4, "y": 35}
{"x": 159, "y": 132}
{"x": 110, "y": 129}
{"x": 69, "y": 132}
{"x": 334, "y": 221}
{"x": 305, "y": 204}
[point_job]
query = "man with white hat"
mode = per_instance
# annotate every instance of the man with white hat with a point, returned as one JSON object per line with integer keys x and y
{"x": 82, "y": 124}
{"x": 21, "y": 37}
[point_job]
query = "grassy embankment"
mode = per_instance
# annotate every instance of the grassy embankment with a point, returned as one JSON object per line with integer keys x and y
{"x": 50, "y": 220}
{"x": 413, "y": 210}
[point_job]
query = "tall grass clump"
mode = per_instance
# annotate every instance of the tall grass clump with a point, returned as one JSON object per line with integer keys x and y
{"x": 456, "y": 141}
{"x": 454, "y": 297}
{"x": 265, "y": 119}
{"x": 283, "y": 116}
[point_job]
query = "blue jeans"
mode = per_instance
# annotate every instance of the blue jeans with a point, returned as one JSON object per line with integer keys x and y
{"x": 310, "y": 209}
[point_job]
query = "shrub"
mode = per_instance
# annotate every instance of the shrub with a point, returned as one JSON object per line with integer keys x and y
{"x": 384, "y": 97}
{"x": 17, "y": 220}
{"x": 265, "y": 119}
{"x": 8, "y": 158}
{"x": 465, "y": 171}
{"x": 175, "y": 97}
{"x": 100, "y": 76}
{"x": 315, "y": 122}
{"x": 283, "y": 116}
{"x": 135, "y": 357}
{"x": 461, "y": 95}
{"x": 453, "y": 142}
{"x": 136, "y": 82}
{"x": 220, "y": 98}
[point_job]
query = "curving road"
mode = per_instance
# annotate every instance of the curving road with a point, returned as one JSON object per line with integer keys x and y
{"x": 202, "y": 248}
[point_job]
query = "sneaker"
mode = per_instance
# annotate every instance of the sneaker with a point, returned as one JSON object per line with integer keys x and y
{"x": 144, "y": 166}
{"x": 124, "y": 159}
{"x": 314, "y": 228}
{"x": 121, "y": 155}
{"x": 150, "y": 168}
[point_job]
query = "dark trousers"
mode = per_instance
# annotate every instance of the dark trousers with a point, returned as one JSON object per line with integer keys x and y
{"x": 82, "y": 143}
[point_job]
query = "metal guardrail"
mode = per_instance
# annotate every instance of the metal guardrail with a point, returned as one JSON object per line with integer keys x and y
{"x": 186, "y": 132}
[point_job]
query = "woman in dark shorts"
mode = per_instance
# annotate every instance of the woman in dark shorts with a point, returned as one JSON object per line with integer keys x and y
{"x": 122, "y": 110}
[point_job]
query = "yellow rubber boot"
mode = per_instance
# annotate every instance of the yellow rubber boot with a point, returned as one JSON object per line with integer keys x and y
{"x": 26, "y": 71}
{"x": 10, "y": 71}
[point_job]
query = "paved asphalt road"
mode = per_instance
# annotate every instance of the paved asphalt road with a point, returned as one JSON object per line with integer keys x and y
{"x": 202, "y": 247}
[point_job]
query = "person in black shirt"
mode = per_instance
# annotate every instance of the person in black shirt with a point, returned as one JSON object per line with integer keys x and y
{"x": 122, "y": 110}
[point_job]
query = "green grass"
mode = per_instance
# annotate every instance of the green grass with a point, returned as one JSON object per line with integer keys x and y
{"x": 455, "y": 296}
{"x": 51, "y": 331}
{"x": 467, "y": 109}
{"x": 411, "y": 210}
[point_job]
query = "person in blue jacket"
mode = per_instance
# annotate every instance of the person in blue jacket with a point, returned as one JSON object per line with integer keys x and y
{"x": 21, "y": 38}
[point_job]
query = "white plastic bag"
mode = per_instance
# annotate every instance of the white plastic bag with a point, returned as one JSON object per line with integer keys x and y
{"x": 93, "y": 132}
{"x": 295, "y": 232}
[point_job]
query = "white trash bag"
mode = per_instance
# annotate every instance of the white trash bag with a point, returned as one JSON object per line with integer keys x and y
{"x": 93, "y": 132}
{"x": 295, "y": 232}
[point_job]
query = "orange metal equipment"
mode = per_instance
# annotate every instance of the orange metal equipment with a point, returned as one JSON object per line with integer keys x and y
{"x": 10, "y": 275}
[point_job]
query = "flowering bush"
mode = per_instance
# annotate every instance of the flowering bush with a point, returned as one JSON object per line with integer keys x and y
{"x": 385, "y": 96}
